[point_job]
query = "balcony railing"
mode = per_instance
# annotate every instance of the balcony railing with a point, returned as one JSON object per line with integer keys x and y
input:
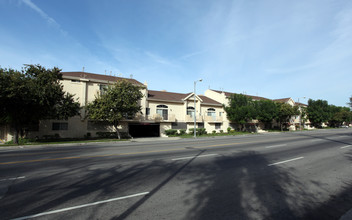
{"x": 160, "y": 118}
{"x": 190, "y": 118}
{"x": 213, "y": 119}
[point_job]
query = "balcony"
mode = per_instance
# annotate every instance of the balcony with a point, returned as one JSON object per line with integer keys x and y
{"x": 160, "y": 118}
{"x": 213, "y": 119}
{"x": 190, "y": 118}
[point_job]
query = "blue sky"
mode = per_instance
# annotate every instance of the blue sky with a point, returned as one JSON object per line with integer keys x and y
{"x": 273, "y": 49}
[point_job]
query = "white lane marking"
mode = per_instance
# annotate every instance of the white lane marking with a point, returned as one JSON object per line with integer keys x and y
{"x": 279, "y": 145}
{"x": 346, "y": 146}
{"x": 185, "y": 158}
{"x": 285, "y": 161}
{"x": 80, "y": 206}
{"x": 14, "y": 178}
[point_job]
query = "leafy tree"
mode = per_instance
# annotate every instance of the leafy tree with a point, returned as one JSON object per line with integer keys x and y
{"x": 266, "y": 111}
{"x": 350, "y": 103}
{"x": 318, "y": 112}
{"x": 285, "y": 112}
{"x": 339, "y": 115}
{"x": 32, "y": 94}
{"x": 117, "y": 103}
{"x": 240, "y": 110}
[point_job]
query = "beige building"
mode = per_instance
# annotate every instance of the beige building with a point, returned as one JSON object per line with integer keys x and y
{"x": 161, "y": 110}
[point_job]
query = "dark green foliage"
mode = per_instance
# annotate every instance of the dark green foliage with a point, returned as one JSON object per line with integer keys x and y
{"x": 240, "y": 110}
{"x": 339, "y": 115}
{"x": 182, "y": 131}
{"x": 32, "y": 94}
{"x": 171, "y": 132}
{"x": 285, "y": 112}
{"x": 318, "y": 112}
{"x": 266, "y": 112}
{"x": 123, "y": 135}
{"x": 118, "y": 102}
{"x": 199, "y": 131}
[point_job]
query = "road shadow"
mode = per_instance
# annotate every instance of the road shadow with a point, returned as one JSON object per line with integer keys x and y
{"x": 94, "y": 181}
{"x": 243, "y": 186}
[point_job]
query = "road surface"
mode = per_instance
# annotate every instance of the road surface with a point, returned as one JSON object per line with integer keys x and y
{"x": 294, "y": 175}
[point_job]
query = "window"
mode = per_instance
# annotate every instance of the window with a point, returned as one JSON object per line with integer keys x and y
{"x": 147, "y": 111}
{"x": 179, "y": 125}
{"x": 200, "y": 125}
{"x": 220, "y": 114}
{"x": 75, "y": 81}
{"x": 102, "y": 88}
{"x": 217, "y": 126}
{"x": 190, "y": 111}
{"x": 162, "y": 110}
{"x": 211, "y": 112}
{"x": 59, "y": 126}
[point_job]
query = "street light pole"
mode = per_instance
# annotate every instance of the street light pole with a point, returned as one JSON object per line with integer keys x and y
{"x": 300, "y": 114}
{"x": 194, "y": 115}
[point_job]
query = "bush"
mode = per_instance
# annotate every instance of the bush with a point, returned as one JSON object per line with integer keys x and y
{"x": 229, "y": 130}
{"x": 171, "y": 132}
{"x": 201, "y": 131}
{"x": 191, "y": 131}
{"x": 182, "y": 131}
{"x": 221, "y": 131}
{"x": 124, "y": 135}
{"x": 21, "y": 141}
{"x": 214, "y": 132}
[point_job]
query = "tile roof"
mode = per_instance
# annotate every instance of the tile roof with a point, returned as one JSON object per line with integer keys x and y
{"x": 228, "y": 94}
{"x": 93, "y": 76}
{"x": 177, "y": 97}
{"x": 282, "y": 100}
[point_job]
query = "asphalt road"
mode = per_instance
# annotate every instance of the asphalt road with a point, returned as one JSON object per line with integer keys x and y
{"x": 296, "y": 175}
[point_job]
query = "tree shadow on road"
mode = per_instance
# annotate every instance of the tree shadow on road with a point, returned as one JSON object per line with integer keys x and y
{"x": 243, "y": 186}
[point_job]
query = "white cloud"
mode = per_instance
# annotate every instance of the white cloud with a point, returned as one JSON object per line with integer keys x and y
{"x": 49, "y": 19}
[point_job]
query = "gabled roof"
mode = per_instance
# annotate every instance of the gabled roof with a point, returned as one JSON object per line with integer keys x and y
{"x": 301, "y": 104}
{"x": 228, "y": 94}
{"x": 177, "y": 97}
{"x": 97, "y": 77}
{"x": 282, "y": 100}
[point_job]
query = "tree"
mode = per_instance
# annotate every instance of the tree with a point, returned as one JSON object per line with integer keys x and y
{"x": 32, "y": 94}
{"x": 318, "y": 112}
{"x": 350, "y": 103}
{"x": 339, "y": 115}
{"x": 285, "y": 113}
{"x": 266, "y": 111}
{"x": 240, "y": 110}
{"x": 118, "y": 102}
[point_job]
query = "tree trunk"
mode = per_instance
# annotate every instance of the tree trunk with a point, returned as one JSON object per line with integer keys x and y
{"x": 117, "y": 131}
{"x": 16, "y": 137}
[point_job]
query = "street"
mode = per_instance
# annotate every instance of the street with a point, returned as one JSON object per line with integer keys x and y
{"x": 292, "y": 175}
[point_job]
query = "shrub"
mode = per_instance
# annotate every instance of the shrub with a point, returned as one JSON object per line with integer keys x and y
{"x": 124, "y": 135}
{"x": 214, "y": 132}
{"x": 201, "y": 131}
{"x": 171, "y": 132}
{"x": 221, "y": 131}
{"x": 182, "y": 131}
{"x": 191, "y": 131}
{"x": 229, "y": 130}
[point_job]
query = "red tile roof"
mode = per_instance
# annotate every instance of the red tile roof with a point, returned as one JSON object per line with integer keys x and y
{"x": 177, "y": 97}
{"x": 93, "y": 76}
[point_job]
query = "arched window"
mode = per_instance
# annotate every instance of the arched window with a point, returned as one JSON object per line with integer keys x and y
{"x": 190, "y": 111}
{"x": 162, "y": 110}
{"x": 161, "y": 106}
{"x": 211, "y": 112}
